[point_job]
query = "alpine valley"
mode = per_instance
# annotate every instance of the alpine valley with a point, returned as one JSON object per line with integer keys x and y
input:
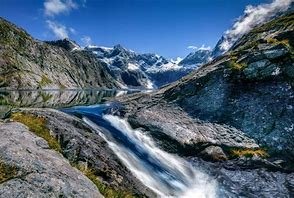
{"x": 109, "y": 122}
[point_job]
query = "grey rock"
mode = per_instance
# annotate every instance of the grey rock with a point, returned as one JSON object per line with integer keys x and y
{"x": 214, "y": 153}
{"x": 40, "y": 172}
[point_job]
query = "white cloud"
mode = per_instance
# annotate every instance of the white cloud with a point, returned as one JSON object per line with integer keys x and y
{"x": 56, "y": 7}
{"x": 59, "y": 30}
{"x": 86, "y": 40}
{"x": 203, "y": 47}
{"x": 253, "y": 16}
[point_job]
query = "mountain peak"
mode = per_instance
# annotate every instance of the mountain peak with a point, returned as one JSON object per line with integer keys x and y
{"x": 66, "y": 44}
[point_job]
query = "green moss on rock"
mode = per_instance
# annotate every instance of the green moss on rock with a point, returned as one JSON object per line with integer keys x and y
{"x": 106, "y": 191}
{"x": 7, "y": 172}
{"x": 38, "y": 126}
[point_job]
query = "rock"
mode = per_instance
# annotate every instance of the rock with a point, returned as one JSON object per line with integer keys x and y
{"x": 248, "y": 180}
{"x": 41, "y": 172}
{"x": 214, "y": 153}
{"x": 275, "y": 53}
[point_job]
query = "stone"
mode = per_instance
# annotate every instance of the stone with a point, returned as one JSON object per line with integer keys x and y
{"x": 214, "y": 153}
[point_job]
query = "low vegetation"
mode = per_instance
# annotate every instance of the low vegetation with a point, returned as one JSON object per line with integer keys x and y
{"x": 44, "y": 81}
{"x": 7, "y": 172}
{"x": 249, "y": 153}
{"x": 234, "y": 64}
{"x": 105, "y": 190}
{"x": 37, "y": 125}
{"x": 46, "y": 96}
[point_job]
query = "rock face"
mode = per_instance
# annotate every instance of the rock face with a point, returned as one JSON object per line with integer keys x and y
{"x": 38, "y": 170}
{"x": 28, "y": 63}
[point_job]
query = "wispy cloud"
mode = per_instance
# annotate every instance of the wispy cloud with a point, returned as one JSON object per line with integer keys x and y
{"x": 56, "y": 7}
{"x": 253, "y": 16}
{"x": 86, "y": 40}
{"x": 59, "y": 30}
{"x": 203, "y": 47}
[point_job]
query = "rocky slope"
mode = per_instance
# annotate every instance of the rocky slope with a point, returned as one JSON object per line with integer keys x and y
{"x": 231, "y": 106}
{"x": 29, "y": 63}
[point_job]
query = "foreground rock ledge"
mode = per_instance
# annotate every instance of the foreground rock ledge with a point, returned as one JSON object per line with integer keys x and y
{"x": 40, "y": 171}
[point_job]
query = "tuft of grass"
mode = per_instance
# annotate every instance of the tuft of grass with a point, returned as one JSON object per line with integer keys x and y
{"x": 7, "y": 172}
{"x": 44, "y": 81}
{"x": 284, "y": 42}
{"x": 233, "y": 64}
{"x": 249, "y": 153}
{"x": 46, "y": 96}
{"x": 37, "y": 125}
{"x": 106, "y": 191}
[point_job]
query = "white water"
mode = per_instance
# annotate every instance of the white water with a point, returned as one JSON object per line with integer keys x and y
{"x": 175, "y": 177}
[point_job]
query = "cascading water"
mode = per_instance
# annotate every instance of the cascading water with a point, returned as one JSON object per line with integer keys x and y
{"x": 166, "y": 174}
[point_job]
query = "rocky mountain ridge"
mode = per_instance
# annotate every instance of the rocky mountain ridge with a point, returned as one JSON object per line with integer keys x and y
{"x": 26, "y": 63}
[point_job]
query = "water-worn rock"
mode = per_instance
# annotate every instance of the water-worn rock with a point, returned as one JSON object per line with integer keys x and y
{"x": 251, "y": 180}
{"x": 40, "y": 172}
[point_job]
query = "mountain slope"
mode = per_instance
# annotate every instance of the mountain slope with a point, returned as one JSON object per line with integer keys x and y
{"x": 28, "y": 63}
{"x": 242, "y": 101}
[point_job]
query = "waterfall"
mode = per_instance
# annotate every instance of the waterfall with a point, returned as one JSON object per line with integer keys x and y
{"x": 166, "y": 174}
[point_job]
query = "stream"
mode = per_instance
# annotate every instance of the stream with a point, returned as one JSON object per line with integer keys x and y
{"x": 168, "y": 175}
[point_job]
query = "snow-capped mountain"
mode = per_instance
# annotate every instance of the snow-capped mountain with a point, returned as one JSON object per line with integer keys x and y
{"x": 136, "y": 70}
{"x": 196, "y": 58}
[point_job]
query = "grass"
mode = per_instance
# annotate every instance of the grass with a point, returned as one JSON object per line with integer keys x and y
{"x": 233, "y": 64}
{"x": 44, "y": 81}
{"x": 37, "y": 125}
{"x": 284, "y": 42}
{"x": 7, "y": 172}
{"x": 46, "y": 96}
{"x": 106, "y": 191}
{"x": 249, "y": 153}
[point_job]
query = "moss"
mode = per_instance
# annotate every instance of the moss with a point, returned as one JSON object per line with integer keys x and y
{"x": 44, "y": 81}
{"x": 7, "y": 172}
{"x": 105, "y": 190}
{"x": 37, "y": 125}
{"x": 248, "y": 153}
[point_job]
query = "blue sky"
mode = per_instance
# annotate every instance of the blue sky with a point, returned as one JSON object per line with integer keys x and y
{"x": 166, "y": 27}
